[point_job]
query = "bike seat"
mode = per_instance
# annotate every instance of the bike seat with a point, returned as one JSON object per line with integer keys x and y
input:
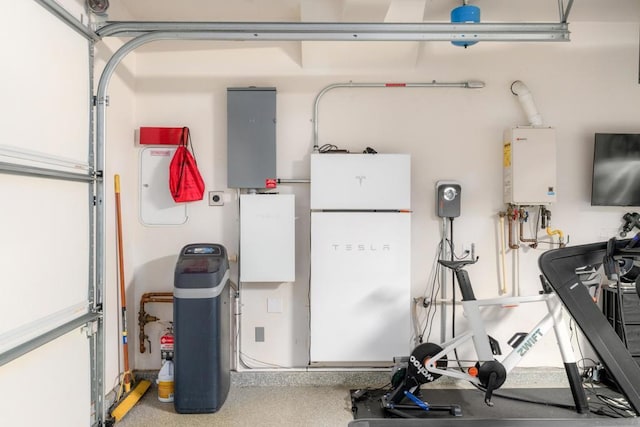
{"x": 456, "y": 265}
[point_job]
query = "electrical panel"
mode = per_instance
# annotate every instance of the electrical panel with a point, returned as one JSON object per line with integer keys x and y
{"x": 251, "y": 137}
{"x": 529, "y": 166}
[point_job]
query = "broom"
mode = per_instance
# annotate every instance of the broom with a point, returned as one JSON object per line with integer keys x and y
{"x": 127, "y": 379}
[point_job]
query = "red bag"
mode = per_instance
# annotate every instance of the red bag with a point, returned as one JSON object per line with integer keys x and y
{"x": 185, "y": 181}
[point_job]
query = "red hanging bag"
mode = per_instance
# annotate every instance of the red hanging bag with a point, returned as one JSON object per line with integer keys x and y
{"x": 185, "y": 182}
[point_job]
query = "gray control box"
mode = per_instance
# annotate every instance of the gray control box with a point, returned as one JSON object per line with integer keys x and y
{"x": 251, "y": 137}
{"x": 448, "y": 199}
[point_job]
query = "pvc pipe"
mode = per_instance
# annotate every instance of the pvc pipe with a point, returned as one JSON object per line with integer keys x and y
{"x": 526, "y": 101}
{"x": 516, "y": 274}
{"x": 503, "y": 250}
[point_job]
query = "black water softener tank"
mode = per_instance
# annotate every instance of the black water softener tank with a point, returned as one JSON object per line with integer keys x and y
{"x": 201, "y": 327}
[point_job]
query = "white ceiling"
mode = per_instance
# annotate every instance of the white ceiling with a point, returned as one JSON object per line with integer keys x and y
{"x": 372, "y": 55}
{"x": 366, "y": 10}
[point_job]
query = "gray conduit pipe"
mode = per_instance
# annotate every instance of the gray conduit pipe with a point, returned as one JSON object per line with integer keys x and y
{"x": 316, "y": 105}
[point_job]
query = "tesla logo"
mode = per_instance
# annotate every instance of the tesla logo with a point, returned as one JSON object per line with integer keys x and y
{"x": 360, "y": 178}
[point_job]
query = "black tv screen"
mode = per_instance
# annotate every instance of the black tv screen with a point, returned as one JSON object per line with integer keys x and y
{"x": 616, "y": 170}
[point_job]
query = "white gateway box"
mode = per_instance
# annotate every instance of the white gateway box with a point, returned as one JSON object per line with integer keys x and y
{"x": 361, "y": 181}
{"x": 267, "y": 238}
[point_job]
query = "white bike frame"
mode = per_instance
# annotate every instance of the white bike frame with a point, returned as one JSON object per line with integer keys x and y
{"x": 478, "y": 333}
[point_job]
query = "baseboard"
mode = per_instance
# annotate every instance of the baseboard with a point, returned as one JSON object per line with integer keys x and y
{"x": 520, "y": 377}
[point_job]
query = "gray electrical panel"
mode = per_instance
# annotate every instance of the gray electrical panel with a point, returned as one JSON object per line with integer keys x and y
{"x": 251, "y": 137}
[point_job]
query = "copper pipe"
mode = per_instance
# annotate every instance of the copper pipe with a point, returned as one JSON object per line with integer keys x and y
{"x": 510, "y": 218}
{"x": 533, "y": 241}
{"x": 144, "y": 317}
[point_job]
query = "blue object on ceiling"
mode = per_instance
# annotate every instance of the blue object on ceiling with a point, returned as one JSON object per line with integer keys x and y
{"x": 465, "y": 14}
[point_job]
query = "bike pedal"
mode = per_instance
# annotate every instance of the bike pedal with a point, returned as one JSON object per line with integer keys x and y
{"x": 516, "y": 339}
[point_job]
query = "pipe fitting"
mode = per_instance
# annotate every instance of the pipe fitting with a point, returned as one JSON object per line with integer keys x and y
{"x": 526, "y": 101}
{"x": 144, "y": 317}
{"x": 560, "y": 235}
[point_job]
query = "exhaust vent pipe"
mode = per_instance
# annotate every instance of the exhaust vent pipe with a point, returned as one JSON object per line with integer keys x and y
{"x": 526, "y": 100}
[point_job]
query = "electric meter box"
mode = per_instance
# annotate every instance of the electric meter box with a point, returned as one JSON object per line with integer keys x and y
{"x": 251, "y": 137}
{"x": 529, "y": 166}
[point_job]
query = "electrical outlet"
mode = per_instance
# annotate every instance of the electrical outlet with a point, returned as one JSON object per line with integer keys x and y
{"x": 259, "y": 333}
{"x": 216, "y": 198}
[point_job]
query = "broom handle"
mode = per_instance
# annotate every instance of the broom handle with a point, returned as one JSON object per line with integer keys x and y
{"x": 123, "y": 299}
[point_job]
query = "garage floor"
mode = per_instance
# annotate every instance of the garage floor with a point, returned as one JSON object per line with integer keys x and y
{"x": 324, "y": 399}
{"x": 253, "y": 406}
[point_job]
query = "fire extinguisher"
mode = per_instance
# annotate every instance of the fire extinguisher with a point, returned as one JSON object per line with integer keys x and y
{"x": 166, "y": 344}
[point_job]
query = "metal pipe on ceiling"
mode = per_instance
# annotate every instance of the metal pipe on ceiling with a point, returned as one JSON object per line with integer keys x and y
{"x": 318, "y": 31}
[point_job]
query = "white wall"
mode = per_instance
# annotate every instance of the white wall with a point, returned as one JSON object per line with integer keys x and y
{"x": 587, "y": 85}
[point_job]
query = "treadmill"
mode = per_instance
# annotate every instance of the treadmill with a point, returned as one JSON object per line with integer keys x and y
{"x": 559, "y": 266}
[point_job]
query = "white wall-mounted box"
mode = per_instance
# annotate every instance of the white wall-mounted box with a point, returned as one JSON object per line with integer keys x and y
{"x": 267, "y": 238}
{"x": 529, "y": 166}
{"x": 361, "y": 181}
{"x": 157, "y": 207}
{"x": 360, "y": 293}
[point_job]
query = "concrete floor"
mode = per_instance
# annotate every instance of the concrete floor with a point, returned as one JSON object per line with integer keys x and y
{"x": 253, "y": 406}
{"x": 294, "y": 399}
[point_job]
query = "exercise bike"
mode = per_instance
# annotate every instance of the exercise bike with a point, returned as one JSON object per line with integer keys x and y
{"x": 429, "y": 361}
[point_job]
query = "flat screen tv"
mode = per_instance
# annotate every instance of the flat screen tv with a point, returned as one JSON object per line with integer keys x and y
{"x": 616, "y": 170}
